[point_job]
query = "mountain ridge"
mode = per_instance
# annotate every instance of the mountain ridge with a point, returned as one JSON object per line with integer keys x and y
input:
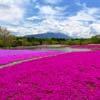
{"x": 49, "y": 35}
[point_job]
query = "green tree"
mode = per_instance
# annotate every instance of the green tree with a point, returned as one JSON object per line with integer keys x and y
{"x": 6, "y": 39}
{"x": 95, "y": 40}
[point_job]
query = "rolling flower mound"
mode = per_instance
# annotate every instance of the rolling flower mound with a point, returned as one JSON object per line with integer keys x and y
{"x": 70, "y": 76}
{"x": 8, "y": 56}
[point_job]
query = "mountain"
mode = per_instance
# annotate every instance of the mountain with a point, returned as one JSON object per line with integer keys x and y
{"x": 97, "y": 36}
{"x": 49, "y": 35}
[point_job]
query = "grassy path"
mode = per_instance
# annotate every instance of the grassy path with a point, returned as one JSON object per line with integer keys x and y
{"x": 29, "y": 59}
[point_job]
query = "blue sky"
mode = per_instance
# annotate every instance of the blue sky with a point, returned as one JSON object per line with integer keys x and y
{"x": 76, "y": 18}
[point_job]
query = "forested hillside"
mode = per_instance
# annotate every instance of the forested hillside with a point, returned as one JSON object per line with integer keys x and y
{"x": 9, "y": 40}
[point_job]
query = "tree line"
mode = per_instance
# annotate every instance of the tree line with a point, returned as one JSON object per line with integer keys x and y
{"x": 8, "y": 40}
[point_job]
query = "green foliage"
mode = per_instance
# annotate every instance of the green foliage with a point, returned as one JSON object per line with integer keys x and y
{"x": 95, "y": 39}
{"x": 9, "y": 41}
{"x": 6, "y": 39}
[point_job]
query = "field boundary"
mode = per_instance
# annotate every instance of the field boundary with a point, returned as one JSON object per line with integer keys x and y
{"x": 29, "y": 59}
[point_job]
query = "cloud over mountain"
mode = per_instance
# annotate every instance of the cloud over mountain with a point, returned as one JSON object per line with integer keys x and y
{"x": 76, "y": 18}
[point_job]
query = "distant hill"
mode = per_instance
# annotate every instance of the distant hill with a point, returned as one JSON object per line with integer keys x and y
{"x": 97, "y": 36}
{"x": 49, "y": 35}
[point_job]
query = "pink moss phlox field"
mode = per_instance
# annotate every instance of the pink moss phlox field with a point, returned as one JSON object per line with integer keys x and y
{"x": 69, "y": 76}
{"x": 7, "y": 56}
{"x": 92, "y": 46}
{"x": 5, "y": 53}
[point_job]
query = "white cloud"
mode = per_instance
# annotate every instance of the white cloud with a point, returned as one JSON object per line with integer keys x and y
{"x": 14, "y": 2}
{"x": 11, "y": 11}
{"x": 48, "y": 12}
{"x": 96, "y": 27}
{"x": 73, "y": 26}
{"x": 86, "y": 14}
{"x": 11, "y": 15}
{"x": 34, "y": 18}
